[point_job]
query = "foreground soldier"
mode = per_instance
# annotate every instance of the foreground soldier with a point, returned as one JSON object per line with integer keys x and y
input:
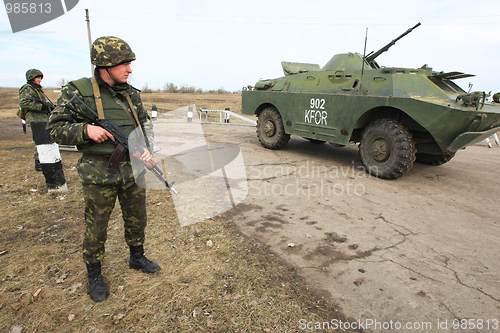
{"x": 115, "y": 100}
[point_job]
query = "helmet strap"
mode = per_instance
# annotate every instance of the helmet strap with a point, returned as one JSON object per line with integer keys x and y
{"x": 111, "y": 76}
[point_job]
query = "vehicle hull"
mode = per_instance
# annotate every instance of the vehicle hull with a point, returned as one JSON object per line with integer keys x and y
{"x": 335, "y": 118}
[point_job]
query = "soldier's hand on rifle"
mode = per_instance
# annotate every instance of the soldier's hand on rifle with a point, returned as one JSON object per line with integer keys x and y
{"x": 98, "y": 134}
{"x": 146, "y": 156}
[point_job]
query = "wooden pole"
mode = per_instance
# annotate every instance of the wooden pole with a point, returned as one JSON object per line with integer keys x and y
{"x": 90, "y": 39}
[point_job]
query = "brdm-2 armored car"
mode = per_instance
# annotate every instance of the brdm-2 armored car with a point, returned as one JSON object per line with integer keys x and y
{"x": 398, "y": 115}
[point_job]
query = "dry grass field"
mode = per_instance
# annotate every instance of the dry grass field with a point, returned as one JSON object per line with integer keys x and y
{"x": 234, "y": 285}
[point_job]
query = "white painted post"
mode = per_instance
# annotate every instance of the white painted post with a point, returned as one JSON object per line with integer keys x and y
{"x": 154, "y": 112}
{"x": 190, "y": 113}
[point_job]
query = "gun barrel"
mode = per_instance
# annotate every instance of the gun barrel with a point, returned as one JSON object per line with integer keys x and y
{"x": 372, "y": 56}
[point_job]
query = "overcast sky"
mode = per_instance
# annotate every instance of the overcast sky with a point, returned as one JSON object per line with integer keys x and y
{"x": 231, "y": 44}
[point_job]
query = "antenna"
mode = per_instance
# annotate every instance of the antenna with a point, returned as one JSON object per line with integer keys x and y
{"x": 363, "y": 66}
{"x": 364, "y": 53}
{"x": 90, "y": 39}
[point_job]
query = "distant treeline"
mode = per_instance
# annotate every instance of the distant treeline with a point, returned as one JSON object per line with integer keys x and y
{"x": 186, "y": 89}
{"x": 173, "y": 88}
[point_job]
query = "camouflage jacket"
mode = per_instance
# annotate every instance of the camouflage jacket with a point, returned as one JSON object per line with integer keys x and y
{"x": 27, "y": 94}
{"x": 69, "y": 128}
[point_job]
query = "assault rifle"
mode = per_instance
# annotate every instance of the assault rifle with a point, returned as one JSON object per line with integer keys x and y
{"x": 122, "y": 142}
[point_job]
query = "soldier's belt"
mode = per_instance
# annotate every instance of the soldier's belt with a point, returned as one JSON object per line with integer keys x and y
{"x": 105, "y": 158}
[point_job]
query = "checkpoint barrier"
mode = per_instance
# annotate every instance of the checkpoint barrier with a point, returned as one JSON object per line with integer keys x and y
{"x": 224, "y": 118}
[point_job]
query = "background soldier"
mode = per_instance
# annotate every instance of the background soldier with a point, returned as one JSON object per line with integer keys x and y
{"x": 36, "y": 108}
{"x": 115, "y": 100}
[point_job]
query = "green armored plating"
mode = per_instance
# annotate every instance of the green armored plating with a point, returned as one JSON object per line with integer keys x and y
{"x": 397, "y": 115}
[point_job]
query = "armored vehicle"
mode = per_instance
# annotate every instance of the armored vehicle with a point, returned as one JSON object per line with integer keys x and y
{"x": 397, "y": 115}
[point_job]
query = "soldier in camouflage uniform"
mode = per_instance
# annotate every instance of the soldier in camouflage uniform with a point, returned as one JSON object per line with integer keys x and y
{"x": 121, "y": 103}
{"x": 33, "y": 101}
{"x": 36, "y": 107}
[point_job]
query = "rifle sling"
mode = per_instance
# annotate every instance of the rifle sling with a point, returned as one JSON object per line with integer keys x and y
{"x": 97, "y": 97}
{"x": 39, "y": 97}
{"x": 47, "y": 97}
{"x": 118, "y": 153}
{"x": 129, "y": 111}
{"x": 120, "y": 149}
{"x": 100, "y": 109}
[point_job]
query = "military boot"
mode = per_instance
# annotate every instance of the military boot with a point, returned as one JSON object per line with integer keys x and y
{"x": 139, "y": 261}
{"x": 97, "y": 289}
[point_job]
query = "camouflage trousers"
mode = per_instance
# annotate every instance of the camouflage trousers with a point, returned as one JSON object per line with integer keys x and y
{"x": 99, "y": 203}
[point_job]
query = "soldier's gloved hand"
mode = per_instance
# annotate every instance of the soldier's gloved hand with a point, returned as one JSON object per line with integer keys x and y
{"x": 46, "y": 106}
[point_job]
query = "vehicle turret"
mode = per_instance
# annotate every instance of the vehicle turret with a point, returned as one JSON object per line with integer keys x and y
{"x": 344, "y": 61}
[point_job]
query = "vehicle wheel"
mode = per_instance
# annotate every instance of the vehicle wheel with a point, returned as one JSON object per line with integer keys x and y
{"x": 318, "y": 142}
{"x": 270, "y": 129}
{"x": 387, "y": 149}
{"x": 434, "y": 160}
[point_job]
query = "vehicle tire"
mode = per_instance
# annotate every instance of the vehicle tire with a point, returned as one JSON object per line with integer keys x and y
{"x": 387, "y": 149}
{"x": 270, "y": 129}
{"x": 315, "y": 141}
{"x": 434, "y": 160}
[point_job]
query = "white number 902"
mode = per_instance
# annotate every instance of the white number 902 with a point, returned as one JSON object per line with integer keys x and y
{"x": 317, "y": 103}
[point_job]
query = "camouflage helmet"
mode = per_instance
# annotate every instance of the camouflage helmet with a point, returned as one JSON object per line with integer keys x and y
{"x": 31, "y": 74}
{"x": 109, "y": 51}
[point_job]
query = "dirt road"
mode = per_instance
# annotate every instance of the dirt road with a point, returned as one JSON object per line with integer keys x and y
{"x": 417, "y": 253}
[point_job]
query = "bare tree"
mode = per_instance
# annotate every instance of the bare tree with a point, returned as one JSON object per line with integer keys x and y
{"x": 170, "y": 87}
{"x": 145, "y": 88}
{"x": 63, "y": 81}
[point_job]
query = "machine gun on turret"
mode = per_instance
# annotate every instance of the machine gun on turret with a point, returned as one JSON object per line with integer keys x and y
{"x": 370, "y": 58}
